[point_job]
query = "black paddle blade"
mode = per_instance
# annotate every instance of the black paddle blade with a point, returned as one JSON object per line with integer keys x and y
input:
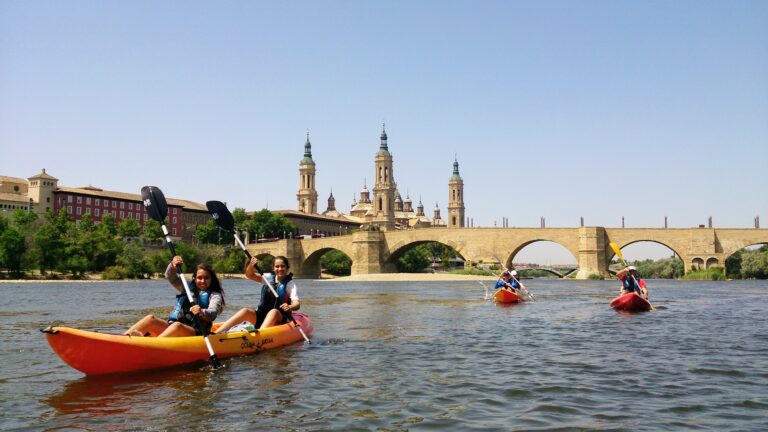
{"x": 154, "y": 202}
{"x": 221, "y": 215}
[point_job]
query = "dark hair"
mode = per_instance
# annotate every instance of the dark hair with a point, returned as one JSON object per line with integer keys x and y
{"x": 215, "y": 284}
{"x": 285, "y": 260}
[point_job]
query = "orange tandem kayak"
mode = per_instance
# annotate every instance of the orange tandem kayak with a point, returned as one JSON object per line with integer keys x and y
{"x": 631, "y": 302}
{"x": 504, "y": 295}
{"x": 95, "y": 353}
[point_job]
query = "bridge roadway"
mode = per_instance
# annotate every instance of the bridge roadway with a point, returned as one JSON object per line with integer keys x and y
{"x": 377, "y": 252}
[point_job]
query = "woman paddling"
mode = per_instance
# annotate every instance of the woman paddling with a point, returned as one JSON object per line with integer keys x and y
{"x": 186, "y": 320}
{"x": 271, "y": 311}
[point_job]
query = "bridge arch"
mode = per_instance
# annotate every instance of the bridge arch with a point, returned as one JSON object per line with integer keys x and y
{"x": 400, "y": 248}
{"x": 311, "y": 263}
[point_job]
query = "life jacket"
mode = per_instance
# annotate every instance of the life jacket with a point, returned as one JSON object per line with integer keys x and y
{"x": 181, "y": 311}
{"x": 631, "y": 284}
{"x": 268, "y": 300}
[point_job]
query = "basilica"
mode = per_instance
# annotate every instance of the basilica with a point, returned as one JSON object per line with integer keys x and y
{"x": 384, "y": 207}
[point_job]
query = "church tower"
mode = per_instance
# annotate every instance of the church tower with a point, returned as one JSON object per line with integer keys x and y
{"x": 307, "y": 196}
{"x": 384, "y": 187}
{"x": 455, "y": 198}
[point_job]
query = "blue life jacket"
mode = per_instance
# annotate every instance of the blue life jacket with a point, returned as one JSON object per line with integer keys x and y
{"x": 630, "y": 284}
{"x": 268, "y": 300}
{"x": 181, "y": 311}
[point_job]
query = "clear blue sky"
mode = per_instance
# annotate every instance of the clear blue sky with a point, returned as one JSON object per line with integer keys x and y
{"x": 558, "y": 109}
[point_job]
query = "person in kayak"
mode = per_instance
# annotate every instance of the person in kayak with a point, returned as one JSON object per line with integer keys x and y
{"x": 271, "y": 311}
{"x": 508, "y": 280}
{"x": 186, "y": 320}
{"x": 632, "y": 282}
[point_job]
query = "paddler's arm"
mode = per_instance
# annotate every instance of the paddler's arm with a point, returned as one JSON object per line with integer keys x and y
{"x": 251, "y": 273}
{"x": 172, "y": 274}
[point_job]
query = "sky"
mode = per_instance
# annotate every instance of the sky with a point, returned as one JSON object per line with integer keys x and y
{"x": 553, "y": 109}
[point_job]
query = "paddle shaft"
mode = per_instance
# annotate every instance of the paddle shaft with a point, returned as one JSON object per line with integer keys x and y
{"x": 154, "y": 202}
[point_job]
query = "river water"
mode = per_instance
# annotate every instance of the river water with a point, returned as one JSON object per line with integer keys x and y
{"x": 412, "y": 356}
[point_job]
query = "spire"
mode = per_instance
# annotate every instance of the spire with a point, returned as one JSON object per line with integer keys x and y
{"x": 331, "y": 202}
{"x": 383, "y": 148}
{"x": 455, "y": 175}
{"x": 307, "y": 152}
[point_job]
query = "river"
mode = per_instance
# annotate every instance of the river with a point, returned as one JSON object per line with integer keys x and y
{"x": 412, "y": 356}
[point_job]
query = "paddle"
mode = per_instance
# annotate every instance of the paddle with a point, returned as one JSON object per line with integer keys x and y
{"x": 618, "y": 253}
{"x": 157, "y": 208}
{"x": 224, "y": 219}
{"x": 518, "y": 280}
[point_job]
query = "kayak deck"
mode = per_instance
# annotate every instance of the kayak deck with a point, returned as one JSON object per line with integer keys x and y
{"x": 95, "y": 353}
{"x": 631, "y": 302}
{"x": 504, "y": 295}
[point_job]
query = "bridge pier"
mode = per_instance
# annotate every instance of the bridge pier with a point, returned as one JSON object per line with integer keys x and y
{"x": 368, "y": 246}
{"x": 592, "y": 255}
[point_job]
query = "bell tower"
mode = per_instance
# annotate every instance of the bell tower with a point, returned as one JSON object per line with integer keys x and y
{"x": 455, "y": 198}
{"x": 384, "y": 187}
{"x": 307, "y": 196}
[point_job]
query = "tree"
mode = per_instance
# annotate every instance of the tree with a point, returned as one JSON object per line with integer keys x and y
{"x": 754, "y": 264}
{"x": 133, "y": 262}
{"x": 12, "y": 247}
{"x": 264, "y": 223}
{"x": 413, "y": 261}
{"x": 49, "y": 241}
{"x": 129, "y": 228}
{"x": 153, "y": 231}
{"x": 336, "y": 263}
{"x": 210, "y": 233}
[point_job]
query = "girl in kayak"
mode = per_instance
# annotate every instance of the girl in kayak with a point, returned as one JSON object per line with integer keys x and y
{"x": 271, "y": 311}
{"x": 631, "y": 282}
{"x": 506, "y": 280}
{"x": 186, "y": 320}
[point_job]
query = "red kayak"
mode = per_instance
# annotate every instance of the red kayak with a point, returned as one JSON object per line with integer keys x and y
{"x": 631, "y": 302}
{"x": 504, "y": 295}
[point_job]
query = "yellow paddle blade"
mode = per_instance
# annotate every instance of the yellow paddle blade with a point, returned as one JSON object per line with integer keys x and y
{"x": 616, "y": 250}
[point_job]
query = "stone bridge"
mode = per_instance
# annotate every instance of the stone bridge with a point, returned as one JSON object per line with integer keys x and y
{"x": 377, "y": 252}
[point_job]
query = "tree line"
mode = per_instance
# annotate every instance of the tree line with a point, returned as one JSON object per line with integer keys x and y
{"x": 55, "y": 244}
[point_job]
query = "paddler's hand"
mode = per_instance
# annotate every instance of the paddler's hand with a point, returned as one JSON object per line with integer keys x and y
{"x": 177, "y": 261}
{"x": 195, "y": 310}
{"x": 254, "y": 262}
{"x": 285, "y": 307}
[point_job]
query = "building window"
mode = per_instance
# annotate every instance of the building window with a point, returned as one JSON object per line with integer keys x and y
{"x": 97, "y": 201}
{"x": 88, "y": 200}
{"x": 79, "y": 211}
{"x": 130, "y": 206}
{"x": 47, "y": 199}
{"x": 122, "y": 204}
{"x": 96, "y": 212}
{"x": 174, "y": 210}
{"x": 174, "y": 231}
{"x": 87, "y": 210}
{"x": 122, "y": 214}
{"x": 79, "y": 200}
{"x": 114, "y": 204}
{"x": 69, "y": 209}
{"x": 174, "y": 219}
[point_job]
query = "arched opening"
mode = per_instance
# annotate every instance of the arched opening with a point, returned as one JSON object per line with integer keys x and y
{"x": 426, "y": 257}
{"x": 697, "y": 264}
{"x": 712, "y": 262}
{"x": 653, "y": 260}
{"x": 543, "y": 258}
{"x": 327, "y": 263}
{"x": 748, "y": 263}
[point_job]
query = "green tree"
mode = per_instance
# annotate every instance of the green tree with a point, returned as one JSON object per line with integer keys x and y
{"x": 12, "y": 247}
{"x": 153, "y": 231}
{"x": 754, "y": 264}
{"x": 210, "y": 233}
{"x": 336, "y": 263}
{"x": 233, "y": 262}
{"x": 49, "y": 241}
{"x": 264, "y": 223}
{"x": 413, "y": 261}
{"x": 733, "y": 265}
{"x": 129, "y": 228}
{"x": 133, "y": 262}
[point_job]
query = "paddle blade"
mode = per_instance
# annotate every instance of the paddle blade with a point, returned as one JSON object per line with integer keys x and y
{"x": 617, "y": 251}
{"x": 154, "y": 202}
{"x": 221, "y": 215}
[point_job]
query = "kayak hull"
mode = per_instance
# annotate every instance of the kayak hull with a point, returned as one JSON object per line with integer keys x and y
{"x": 95, "y": 353}
{"x": 631, "y": 302}
{"x": 507, "y": 296}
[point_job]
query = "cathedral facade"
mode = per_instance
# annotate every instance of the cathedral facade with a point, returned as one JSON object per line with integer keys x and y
{"x": 384, "y": 207}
